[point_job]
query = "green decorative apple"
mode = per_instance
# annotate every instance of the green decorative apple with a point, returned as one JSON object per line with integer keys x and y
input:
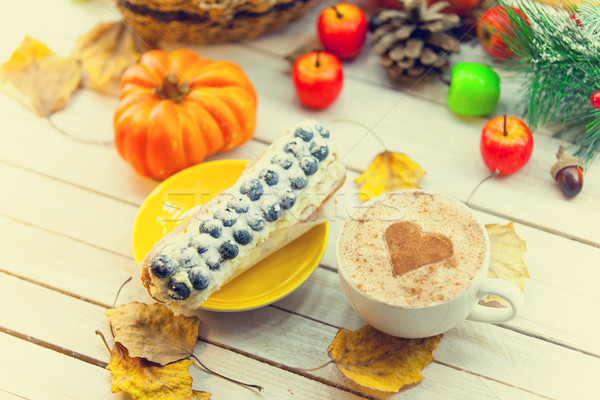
{"x": 474, "y": 89}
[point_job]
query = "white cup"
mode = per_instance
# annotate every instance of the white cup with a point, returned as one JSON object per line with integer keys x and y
{"x": 420, "y": 322}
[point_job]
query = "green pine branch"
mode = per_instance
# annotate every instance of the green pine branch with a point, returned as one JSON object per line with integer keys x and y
{"x": 560, "y": 63}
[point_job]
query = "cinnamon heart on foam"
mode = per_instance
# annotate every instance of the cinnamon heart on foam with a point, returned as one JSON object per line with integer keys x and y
{"x": 410, "y": 248}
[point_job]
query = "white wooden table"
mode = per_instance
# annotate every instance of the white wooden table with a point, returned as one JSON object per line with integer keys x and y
{"x": 68, "y": 204}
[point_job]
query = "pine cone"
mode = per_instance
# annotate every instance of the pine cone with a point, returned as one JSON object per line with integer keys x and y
{"x": 411, "y": 42}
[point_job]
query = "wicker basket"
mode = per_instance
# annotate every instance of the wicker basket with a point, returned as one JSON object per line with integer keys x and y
{"x": 210, "y": 21}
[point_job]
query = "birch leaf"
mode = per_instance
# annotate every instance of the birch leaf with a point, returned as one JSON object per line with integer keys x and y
{"x": 153, "y": 331}
{"x": 143, "y": 379}
{"x": 506, "y": 260}
{"x": 389, "y": 171}
{"x": 105, "y": 52}
{"x": 38, "y": 78}
{"x": 379, "y": 361}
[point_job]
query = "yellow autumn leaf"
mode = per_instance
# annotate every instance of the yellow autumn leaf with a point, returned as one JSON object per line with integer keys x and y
{"x": 197, "y": 395}
{"x": 105, "y": 52}
{"x": 506, "y": 261}
{"x": 38, "y": 78}
{"x": 153, "y": 331}
{"x": 379, "y": 361}
{"x": 389, "y": 171}
{"x": 144, "y": 380}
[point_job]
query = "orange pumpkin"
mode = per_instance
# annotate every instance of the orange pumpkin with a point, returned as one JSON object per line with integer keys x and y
{"x": 176, "y": 108}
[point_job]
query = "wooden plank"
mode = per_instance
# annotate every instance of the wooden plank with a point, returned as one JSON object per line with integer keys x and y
{"x": 31, "y": 371}
{"x": 446, "y": 147}
{"x": 553, "y": 312}
{"x": 439, "y": 382}
{"x": 63, "y": 263}
{"x": 66, "y": 209}
{"x": 563, "y": 273}
{"x": 277, "y": 383}
{"x": 493, "y": 192}
{"x": 71, "y": 211}
{"x": 95, "y": 167}
{"x": 73, "y": 158}
{"x": 484, "y": 350}
{"x": 504, "y": 196}
{"x": 34, "y": 372}
{"x": 40, "y": 314}
{"x": 439, "y": 148}
{"x": 270, "y": 334}
{"x": 10, "y": 396}
{"x": 551, "y": 294}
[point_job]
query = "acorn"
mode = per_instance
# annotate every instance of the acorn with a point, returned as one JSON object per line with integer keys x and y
{"x": 568, "y": 173}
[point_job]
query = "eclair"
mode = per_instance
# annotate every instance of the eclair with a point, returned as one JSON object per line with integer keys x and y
{"x": 279, "y": 196}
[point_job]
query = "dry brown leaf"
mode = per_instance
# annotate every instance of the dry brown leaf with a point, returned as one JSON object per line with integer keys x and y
{"x": 38, "y": 78}
{"x": 313, "y": 44}
{"x": 506, "y": 261}
{"x": 105, "y": 52}
{"x": 153, "y": 331}
{"x": 389, "y": 171}
{"x": 380, "y": 361}
{"x": 144, "y": 380}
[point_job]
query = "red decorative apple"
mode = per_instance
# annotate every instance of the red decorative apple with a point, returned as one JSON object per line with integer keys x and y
{"x": 506, "y": 144}
{"x": 493, "y": 25}
{"x": 318, "y": 78}
{"x": 595, "y": 99}
{"x": 342, "y": 29}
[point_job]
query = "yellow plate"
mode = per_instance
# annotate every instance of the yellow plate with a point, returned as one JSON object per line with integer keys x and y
{"x": 273, "y": 278}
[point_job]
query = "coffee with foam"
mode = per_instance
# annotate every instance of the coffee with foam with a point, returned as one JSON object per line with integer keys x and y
{"x": 412, "y": 249}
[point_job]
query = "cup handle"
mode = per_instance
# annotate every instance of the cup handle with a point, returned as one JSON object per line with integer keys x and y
{"x": 501, "y": 288}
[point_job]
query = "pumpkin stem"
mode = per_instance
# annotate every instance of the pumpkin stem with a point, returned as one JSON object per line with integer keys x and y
{"x": 172, "y": 89}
